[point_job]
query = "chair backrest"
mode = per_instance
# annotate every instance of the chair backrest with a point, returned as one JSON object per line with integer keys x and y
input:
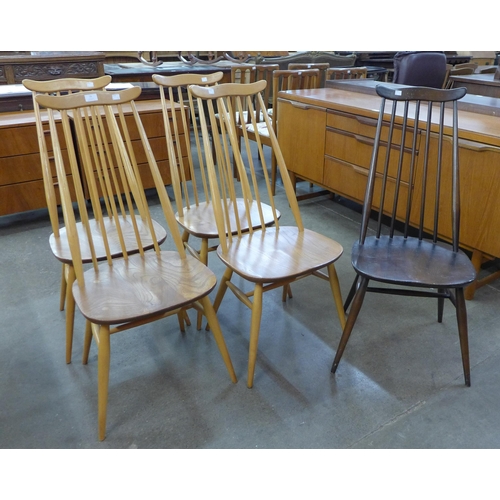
{"x": 174, "y": 89}
{"x": 426, "y": 69}
{"x": 346, "y": 73}
{"x": 56, "y": 87}
{"x": 250, "y": 73}
{"x": 415, "y": 162}
{"x": 100, "y": 125}
{"x": 463, "y": 69}
{"x": 323, "y": 67}
{"x": 225, "y": 189}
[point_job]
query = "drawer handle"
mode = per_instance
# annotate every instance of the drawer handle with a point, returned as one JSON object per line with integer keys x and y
{"x": 477, "y": 146}
{"x": 366, "y": 121}
{"x": 359, "y": 170}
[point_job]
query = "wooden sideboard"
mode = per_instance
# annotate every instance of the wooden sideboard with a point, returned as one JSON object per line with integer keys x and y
{"x": 327, "y": 135}
{"x": 21, "y": 184}
{"x": 16, "y": 66}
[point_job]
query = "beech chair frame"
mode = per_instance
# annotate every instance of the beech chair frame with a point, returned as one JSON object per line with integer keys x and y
{"x": 271, "y": 256}
{"x": 122, "y": 293}
{"x": 59, "y": 239}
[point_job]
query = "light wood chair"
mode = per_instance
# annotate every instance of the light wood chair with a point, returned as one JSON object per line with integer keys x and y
{"x": 120, "y": 293}
{"x": 283, "y": 79}
{"x": 59, "y": 238}
{"x": 353, "y": 73}
{"x": 195, "y": 212}
{"x": 269, "y": 257}
{"x": 459, "y": 69}
{"x": 397, "y": 259}
{"x": 322, "y": 67}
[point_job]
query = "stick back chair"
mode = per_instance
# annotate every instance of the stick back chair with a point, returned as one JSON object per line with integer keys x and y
{"x": 322, "y": 67}
{"x": 283, "y": 79}
{"x": 405, "y": 187}
{"x": 59, "y": 238}
{"x": 269, "y": 257}
{"x": 120, "y": 293}
{"x": 195, "y": 210}
{"x": 346, "y": 73}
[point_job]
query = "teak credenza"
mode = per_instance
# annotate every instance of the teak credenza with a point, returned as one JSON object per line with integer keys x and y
{"x": 21, "y": 184}
{"x": 327, "y": 135}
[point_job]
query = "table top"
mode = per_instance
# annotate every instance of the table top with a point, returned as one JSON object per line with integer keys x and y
{"x": 472, "y": 125}
{"x": 481, "y": 78}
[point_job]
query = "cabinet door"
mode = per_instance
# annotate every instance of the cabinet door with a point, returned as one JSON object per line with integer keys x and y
{"x": 301, "y": 134}
{"x": 479, "y": 196}
{"x": 479, "y": 201}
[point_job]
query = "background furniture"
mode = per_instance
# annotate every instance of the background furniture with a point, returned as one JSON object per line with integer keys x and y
{"x": 484, "y": 84}
{"x": 412, "y": 154}
{"x": 309, "y": 57}
{"x": 346, "y": 73}
{"x": 17, "y": 66}
{"x": 122, "y": 293}
{"x": 21, "y": 186}
{"x": 326, "y": 136}
{"x": 427, "y": 69}
{"x": 323, "y": 67}
{"x": 269, "y": 257}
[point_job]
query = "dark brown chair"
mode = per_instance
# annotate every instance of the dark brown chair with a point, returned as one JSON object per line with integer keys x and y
{"x": 408, "y": 261}
{"x": 426, "y": 69}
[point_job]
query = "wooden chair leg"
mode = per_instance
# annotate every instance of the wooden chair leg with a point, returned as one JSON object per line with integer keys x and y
{"x": 228, "y": 273}
{"x": 254, "y": 332}
{"x": 351, "y": 319}
{"x": 352, "y": 291}
{"x": 337, "y": 294}
{"x": 462, "y": 332}
{"x": 204, "y": 259}
{"x": 103, "y": 361}
{"x": 62, "y": 298}
{"x": 286, "y": 292}
{"x": 217, "y": 333}
{"x": 440, "y": 305}
{"x": 274, "y": 172}
{"x": 221, "y": 291}
{"x": 87, "y": 342}
{"x": 70, "y": 312}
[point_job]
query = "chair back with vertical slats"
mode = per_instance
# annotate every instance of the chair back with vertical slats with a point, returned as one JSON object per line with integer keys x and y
{"x": 322, "y": 67}
{"x": 414, "y": 131}
{"x": 346, "y": 73}
{"x": 189, "y": 181}
{"x": 233, "y": 99}
{"x": 97, "y": 132}
{"x": 56, "y": 87}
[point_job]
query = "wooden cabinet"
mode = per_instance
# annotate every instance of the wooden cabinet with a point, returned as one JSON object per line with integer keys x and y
{"x": 326, "y": 137}
{"x": 21, "y": 184}
{"x": 301, "y": 124}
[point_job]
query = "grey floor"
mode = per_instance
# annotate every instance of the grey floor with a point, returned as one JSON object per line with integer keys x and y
{"x": 399, "y": 384}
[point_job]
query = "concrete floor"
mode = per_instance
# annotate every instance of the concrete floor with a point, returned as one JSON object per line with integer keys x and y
{"x": 399, "y": 384}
